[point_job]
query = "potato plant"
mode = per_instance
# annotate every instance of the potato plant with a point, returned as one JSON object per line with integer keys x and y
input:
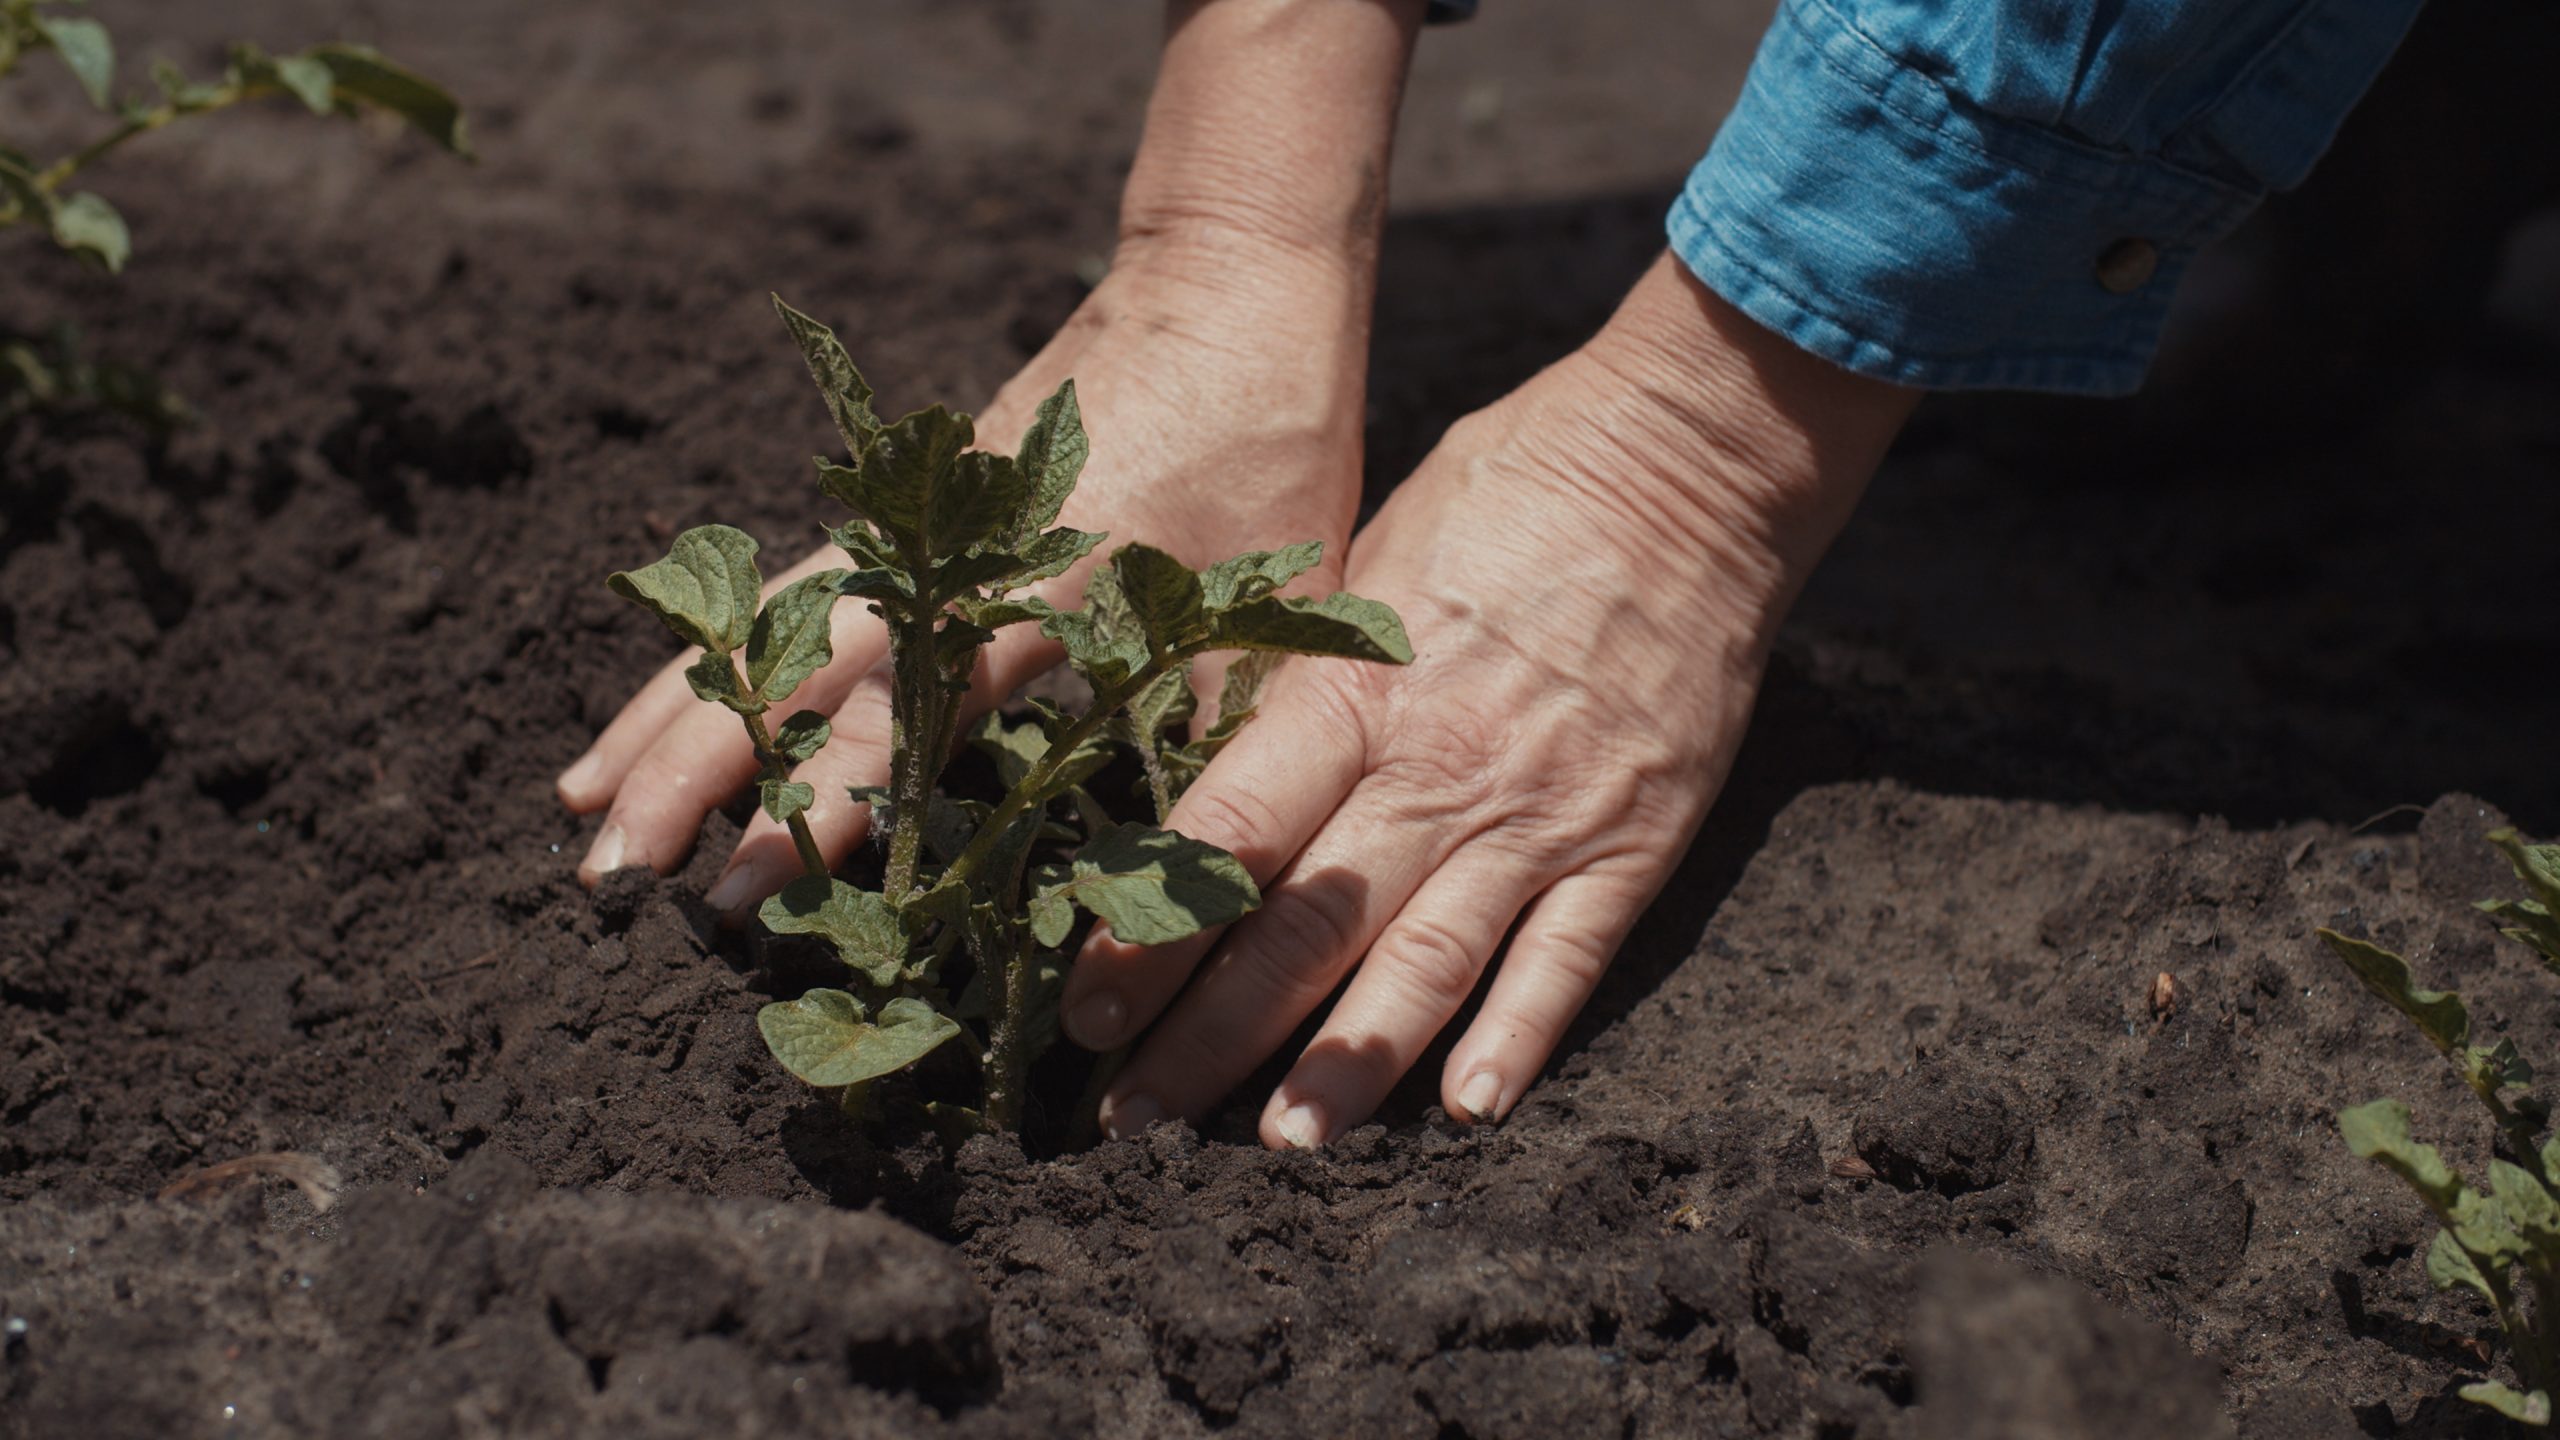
{"x": 946, "y": 544}
{"x": 2502, "y": 1243}
{"x": 38, "y": 193}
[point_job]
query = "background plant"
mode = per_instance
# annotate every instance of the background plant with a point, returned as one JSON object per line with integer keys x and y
{"x": 2502, "y": 1243}
{"x": 333, "y": 79}
{"x": 946, "y": 542}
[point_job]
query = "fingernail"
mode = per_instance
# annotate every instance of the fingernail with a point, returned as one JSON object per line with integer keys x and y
{"x": 1301, "y": 1125}
{"x": 578, "y": 778}
{"x": 1095, "y": 1022}
{"x": 741, "y": 884}
{"x": 1129, "y": 1116}
{"x": 1483, "y": 1092}
{"x": 605, "y": 856}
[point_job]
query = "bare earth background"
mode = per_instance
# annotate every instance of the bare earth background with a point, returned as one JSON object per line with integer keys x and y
{"x": 2088, "y": 693}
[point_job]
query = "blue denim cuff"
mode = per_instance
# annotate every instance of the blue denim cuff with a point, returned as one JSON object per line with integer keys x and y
{"x": 1442, "y": 11}
{"x": 1861, "y": 209}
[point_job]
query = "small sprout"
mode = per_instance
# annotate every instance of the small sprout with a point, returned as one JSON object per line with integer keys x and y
{"x": 2502, "y": 1244}
{"x": 946, "y": 542}
{"x": 325, "y": 79}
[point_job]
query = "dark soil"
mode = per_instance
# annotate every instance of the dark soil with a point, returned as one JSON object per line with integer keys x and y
{"x": 1876, "y": 1130}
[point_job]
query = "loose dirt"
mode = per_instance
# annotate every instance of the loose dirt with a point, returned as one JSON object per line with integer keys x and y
{"x": 1875, "y": 1131}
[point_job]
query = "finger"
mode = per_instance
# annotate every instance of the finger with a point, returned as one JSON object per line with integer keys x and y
{"x": 590, "y": 782}
{"x": 1414, "y": 978}
{"x": 857, "y": 753}
{"x": 1259, "y": 800}
{"x": 702, "y": 757}
{"x": 589, "y": 785}
{"x": 1278, "y": 964}
{"x": 1555, "y": 962}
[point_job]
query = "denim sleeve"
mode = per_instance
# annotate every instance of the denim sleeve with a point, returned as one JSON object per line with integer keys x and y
{"x": 2005, "y": 193}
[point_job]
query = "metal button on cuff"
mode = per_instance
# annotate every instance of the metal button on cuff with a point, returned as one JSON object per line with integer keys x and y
{"x": 2127, "y": 266}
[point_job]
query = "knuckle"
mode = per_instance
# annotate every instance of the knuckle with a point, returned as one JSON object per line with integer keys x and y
{"x": 1231, "y": 817}
{"x": 1576, "y": 954}
{"x": 1429, "y": 960}
{"x": 1293, "y": 947}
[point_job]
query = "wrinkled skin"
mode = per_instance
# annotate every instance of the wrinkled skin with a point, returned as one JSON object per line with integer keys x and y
{"x": 1590, "y": 571}
{"x": 1590, "y": 592}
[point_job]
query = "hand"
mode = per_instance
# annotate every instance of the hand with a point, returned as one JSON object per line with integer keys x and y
{"x": 1221, "y": 368}
{"x": 1591, "y": 572}
{"x": 1227, "y": 415}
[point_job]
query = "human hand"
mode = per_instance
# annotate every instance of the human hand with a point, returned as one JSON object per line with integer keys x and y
{"x": 1591, "y": 572}
{"x": 1229, "y": 417}
{"x": 1222, "y": 364}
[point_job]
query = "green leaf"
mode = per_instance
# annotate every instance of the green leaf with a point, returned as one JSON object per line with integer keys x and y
{"x": 894, "y": 485}
{"x": 804, "y": 734}
{"x": 2538, "y": 866}
{"x": 996, "y": 614}
{"x": 2529, "y": 922}
{"x": 1152, "y": 725}
{"x": 790, "y": 638}
{"x": 310, "y": 80}
{"x": 1251, "y": 576}
{"x": 1163, "y": 594}
{"x": 2527, "y": 1205}
{"x": 1241, "y": 694}
{"x": 1104, "y": 640}
{"x": 1050, "y": 553}
{"x": 2379, "y": 1131}
{"x": 784, "y": 799}
{"x": 1052, "y": 456}
{"x": 2438, "y": 1014}
{"x": 714, "y": 678}
{"x": 705, "y": 590}
{"x": 1339, "y": 624}
{"x": 86, "y": 225}
{"x": 1151, "y": 886}
{"x": 859, "y": 923}
{"x": 2500, "y": 1065}
{"x": 822, "y": 1037}
{"x": 85, "y": 47}
{"x": 1015, "y": 749}
{"x": 2533, "y": 1409}
{"x": 848, "y": 395}
{"x": 2448, "y": 1266}
{"x": 983, "y": 498}
{"x": 2482, "y": 1227}
{"x": 1053, "y": 910}
{"x": 1165, "y": 703}
{"x": 360, "y": 73}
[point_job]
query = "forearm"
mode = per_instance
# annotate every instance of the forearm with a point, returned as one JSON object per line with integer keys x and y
{"x": 1270, "y": 129}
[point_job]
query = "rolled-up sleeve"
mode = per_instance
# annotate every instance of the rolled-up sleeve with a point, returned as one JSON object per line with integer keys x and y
{"x": 2006, "y": 194}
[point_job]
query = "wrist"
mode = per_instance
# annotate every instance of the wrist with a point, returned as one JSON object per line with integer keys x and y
{"x": 1268, "y": 134}
{"x": 1763, "y": 446}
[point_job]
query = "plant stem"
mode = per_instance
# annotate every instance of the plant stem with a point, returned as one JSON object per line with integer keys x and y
{"x": 1006, "y": 1062}
{"x": 771, "y": 759}
{"x": 919, "y": 726}
{"x": 53, "y": 175}
{"x": 1018, "y": 798}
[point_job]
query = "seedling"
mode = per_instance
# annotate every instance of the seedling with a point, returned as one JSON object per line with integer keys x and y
{"x": 946, "y": 543}
{"x": 327, "y": 79}
{"x": 2503, "y": 1244}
